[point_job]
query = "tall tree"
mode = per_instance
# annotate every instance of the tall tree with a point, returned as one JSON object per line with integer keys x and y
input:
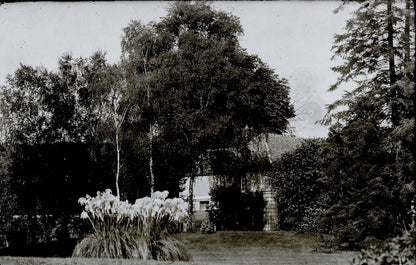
{"x": 218, "y": 95}
{"x": 117, "y": 109}
{"x": 374, "y": 57}
{"x": 52, "y": 119}
{"x": 371, "y": 137}
{"x": 140, "y": 45}
{"x": 200, "y": 90}
{"x": 375, "y": 50}
{"x": 39, "y": 106}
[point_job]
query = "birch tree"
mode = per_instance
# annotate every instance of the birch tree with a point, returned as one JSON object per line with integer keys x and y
{"x": 117, "y": 110}
{"x": 140, "y": 45}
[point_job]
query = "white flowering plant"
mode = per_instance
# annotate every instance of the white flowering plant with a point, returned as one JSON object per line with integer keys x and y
{"x": 125, "y": 230}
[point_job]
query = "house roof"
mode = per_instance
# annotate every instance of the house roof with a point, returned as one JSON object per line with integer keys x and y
{"x": 274, "y": 146}
{"x": 271, "y": 146}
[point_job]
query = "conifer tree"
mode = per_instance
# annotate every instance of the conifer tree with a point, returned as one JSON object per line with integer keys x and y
{"x": 371, "y": 137}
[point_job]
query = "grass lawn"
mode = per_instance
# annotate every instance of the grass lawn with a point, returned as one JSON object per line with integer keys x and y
{"x": 228, "y": 248}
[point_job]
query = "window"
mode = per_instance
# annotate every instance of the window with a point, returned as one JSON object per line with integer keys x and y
{"x": 203, "y": 205}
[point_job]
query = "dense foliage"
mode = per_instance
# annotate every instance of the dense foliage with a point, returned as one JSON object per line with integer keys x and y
{"x": 298, "y": 179}
{"x": 370, "y": 153}
{"x": 400, "y": 249}
{"x": 183, "y": 88}
{"x": 369, "y": 198}
{"x": 233, "y": 210}
{"x": 364, "y": 202}
{"x": 197, "y": 90}
{"x": 59, "y": 143}
{"x": 367, "y": 159}
{"x": 8, "y": 204}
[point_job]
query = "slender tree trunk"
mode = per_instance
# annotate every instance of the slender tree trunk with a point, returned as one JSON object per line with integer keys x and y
{"x": 407, "y": 60}
{"x": 118, "y": 163}
{"x": 190, "y": 226}
{"x": 390, "y": 33}
{"x": 151, "y": 127}
{"x": 392, "y": 67}
{"x": 118, "y": 121}
{"x": 266, "y": 143}
{"x": 152, "y": 176}
{"x": 414, "y": 102}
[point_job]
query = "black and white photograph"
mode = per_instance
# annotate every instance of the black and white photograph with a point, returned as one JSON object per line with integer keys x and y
{"x": 208, "y": 132}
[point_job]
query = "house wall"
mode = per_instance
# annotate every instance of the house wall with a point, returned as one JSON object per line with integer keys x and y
{"x": 259, "y": 182}
{"x": 201, "y": 198}
{"x": 248, "y": 183}
{"x": 270, "y": 210}
{"x": 270, "y": 146}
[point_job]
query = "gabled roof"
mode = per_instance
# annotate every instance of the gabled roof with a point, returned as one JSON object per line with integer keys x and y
{"x": 273, "y": 146}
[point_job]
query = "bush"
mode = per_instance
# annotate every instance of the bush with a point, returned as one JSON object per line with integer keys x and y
{"x": 132, "y": 231}
{"x": 297, "y": 178}
{"x": 207, "y": 227}
{"x": 397, "y": 250}
{"x": 233, "y": 210}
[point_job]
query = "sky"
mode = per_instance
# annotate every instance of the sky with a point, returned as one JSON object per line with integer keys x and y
{"x": 293, "y": 37}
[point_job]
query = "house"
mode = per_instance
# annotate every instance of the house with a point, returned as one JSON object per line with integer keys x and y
{"x": 201, "y": 200}
{"x": 269, "y": 146}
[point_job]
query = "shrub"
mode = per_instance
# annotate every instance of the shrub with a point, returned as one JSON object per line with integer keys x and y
{"x": 397, "y": 250}
{"x": 297, "y": 179}
{"x": 207, "y": 227}
{"x": 133, "y": 231}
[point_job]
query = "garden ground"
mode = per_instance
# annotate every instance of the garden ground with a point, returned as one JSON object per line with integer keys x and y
{"x": 228, "y": 248}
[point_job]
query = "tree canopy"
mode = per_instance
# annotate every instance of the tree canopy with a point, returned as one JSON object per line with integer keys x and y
{"x": 370, "y": 157}
{"x": 202, "y": 91}
{"x": 183, "y": 87}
